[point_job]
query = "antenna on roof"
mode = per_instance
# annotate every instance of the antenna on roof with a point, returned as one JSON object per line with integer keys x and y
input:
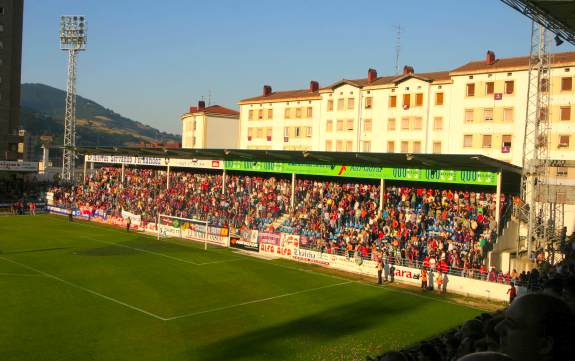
{"x": 397, "y": 48}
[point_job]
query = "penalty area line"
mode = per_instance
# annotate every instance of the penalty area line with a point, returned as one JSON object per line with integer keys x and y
{"x": 223, "y": 308}
{"x": 92, "y": 292}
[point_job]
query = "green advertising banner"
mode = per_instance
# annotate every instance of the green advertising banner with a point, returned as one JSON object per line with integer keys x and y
{"x": 406, "y": 174}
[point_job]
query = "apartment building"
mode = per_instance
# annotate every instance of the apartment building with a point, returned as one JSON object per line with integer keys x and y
{"x": 210, "y": 127}
{"x": 285, "y": 120}
{"x": 11, "y": 17}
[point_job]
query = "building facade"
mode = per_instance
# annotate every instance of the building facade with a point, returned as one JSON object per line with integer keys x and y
{"x": 477, "y": 108}
{"x": 210, "y": 127}
{"x": 11, "y": 17}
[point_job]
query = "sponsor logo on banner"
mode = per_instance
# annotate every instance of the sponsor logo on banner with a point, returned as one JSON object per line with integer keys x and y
{"x": 9, "y": 165}
{"x": 63, "y": 211}
{"x": 312, "y": 257}
{"x": 274, "y": 250}
{"x": 289, "y": 240}
{"x": 269, "y": 238}
{"x": 172, "y": 162}
{"x": 245, "y": 244}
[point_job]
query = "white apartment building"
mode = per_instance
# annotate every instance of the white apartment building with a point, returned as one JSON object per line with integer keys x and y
{"x": 477, "y": 108}
{"x": 210, "y": 127}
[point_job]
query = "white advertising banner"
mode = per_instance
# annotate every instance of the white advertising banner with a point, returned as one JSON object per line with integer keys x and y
{"x": 164, "y": 162}
{"x": 15, "y": 166}
{"x": 135, "y": 218}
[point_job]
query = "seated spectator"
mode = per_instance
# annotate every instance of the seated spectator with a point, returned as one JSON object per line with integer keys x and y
{"x": 537, "y": 327}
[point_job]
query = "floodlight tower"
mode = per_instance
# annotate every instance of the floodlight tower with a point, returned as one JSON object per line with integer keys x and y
{"x": 72, "y": 39}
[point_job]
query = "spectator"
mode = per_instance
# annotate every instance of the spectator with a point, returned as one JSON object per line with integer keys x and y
{"x": 537, "y": 327}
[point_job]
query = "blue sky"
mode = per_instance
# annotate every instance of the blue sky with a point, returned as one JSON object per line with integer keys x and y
{"x": 151, "y": 60}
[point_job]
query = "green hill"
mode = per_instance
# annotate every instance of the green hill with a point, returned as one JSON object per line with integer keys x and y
{"x": 43, "y": 110}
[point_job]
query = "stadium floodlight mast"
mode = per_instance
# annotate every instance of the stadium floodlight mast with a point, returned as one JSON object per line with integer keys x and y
{"x": 72, "y": 39}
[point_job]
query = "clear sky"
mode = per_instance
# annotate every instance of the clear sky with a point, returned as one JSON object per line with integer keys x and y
{"x": 151, "y": 60}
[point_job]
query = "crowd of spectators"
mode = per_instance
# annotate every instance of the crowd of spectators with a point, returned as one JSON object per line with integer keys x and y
{"x": 246, "y": 200}
{"x": 537, "y": 326}
{"x": 447, "y": 230}
{"x": 21, "y": 195}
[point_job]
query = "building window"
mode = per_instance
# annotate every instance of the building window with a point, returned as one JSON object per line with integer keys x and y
{"x": 269, "y": 134}
{"x": 393, "y": 101}
{"x": 566, "y": 112}
{"x": 438, "y": 123}
{"x": 390, "y": 146}
{"x": 329, "y": 126}
{"x": 350, "y": 103}
{"x": 251, "y": 114}
{"x": 309, "y": 112}
{"x": 437, "y": 147}
{"x": 339, "y": 125}
{"x": 367, "y": 125}
{"x": 270, "y": 113}
{"x": 406, "y": 100}
{"x": 330, "y": 105}
{"x": 438, "y": 98}
{"x": 391, "y": 124}
{"x": 340, "y": 104}
{"x": 566, "y": 84}
{"x": 506, "y": 143}
{"x": 259, "y": 133}
{"x": 489, "y": 87}
{"x": 468, "y": 115}
{"x": 404, "y": 146}
{"x": 468, "y": 141}
{"x": 349, "y": 124}
{"x": 286, "y": 134}
{"x": 486, "y": 143}
{"x": 509, "y": 87}
{"x": 418, "y": 99}
{"x": 543, "y": 113}
{"x": 338, "y": 146}
{"x": 298, "y": 113}
{"x": 348, "y": 146}
{"x": 368, "y": 102}
{"x": 508, "y": 115}
{"x": 328, "y": 145}
{"x": 287, "y": 113}
{"x": 404, "y": 123}
{"x": 488, "y": 114}
{"x": 470, "y": 90}
{"x": 564, "y": 141}
{"x": 417, "y": 147}
{"x": 562, "y": 172}
{"x": 297, "y": 132}
{"x": 417, "y": 123}
{"x": 367, "y": 146}
{"x": 308, "y": 132}
{"x": 261, "y": 114}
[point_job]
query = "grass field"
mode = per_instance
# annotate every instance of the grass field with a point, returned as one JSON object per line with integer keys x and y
{"x": 81, "y": 291}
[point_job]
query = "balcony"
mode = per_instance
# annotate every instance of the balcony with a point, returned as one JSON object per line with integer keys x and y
{"x": 249, "y": 138}
{"x": 269, "y": 138}
{"x": 505, "y": 149}
{"x": 286, "y": 139}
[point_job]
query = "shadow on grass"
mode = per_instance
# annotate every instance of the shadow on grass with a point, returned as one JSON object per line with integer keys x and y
{"x": 309, "y": 332}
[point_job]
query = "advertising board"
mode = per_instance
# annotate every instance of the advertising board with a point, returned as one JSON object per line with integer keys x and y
{"x": 269, "y": 238}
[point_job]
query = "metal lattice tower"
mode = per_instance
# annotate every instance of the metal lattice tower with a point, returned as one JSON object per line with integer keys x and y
{"x": 538, "y": 209}
{"x": 72, "y": 39}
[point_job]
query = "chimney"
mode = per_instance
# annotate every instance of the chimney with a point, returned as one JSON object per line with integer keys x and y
{"x": 193, "y": 109}
{"x": 408, "y": 70}
{"x": 201, "y": 105}
{"x": 313, "y": 86}
{"x": 490, "y": 58}
{"x": 267, "y": 90}
{"x": 371, "y": 75}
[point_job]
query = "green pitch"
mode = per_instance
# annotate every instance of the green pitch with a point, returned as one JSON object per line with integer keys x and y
{"x": 81, "y": 291}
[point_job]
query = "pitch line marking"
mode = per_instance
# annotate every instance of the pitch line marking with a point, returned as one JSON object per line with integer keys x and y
{"x": 85, "y": 289}
{"x": 217, "y": 309}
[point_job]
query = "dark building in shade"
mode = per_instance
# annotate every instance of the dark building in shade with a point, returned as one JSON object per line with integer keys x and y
{"x": 11, "y": 19}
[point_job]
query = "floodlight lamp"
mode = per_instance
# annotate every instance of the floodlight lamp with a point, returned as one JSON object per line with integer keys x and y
{"x": 558, "y": 40}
